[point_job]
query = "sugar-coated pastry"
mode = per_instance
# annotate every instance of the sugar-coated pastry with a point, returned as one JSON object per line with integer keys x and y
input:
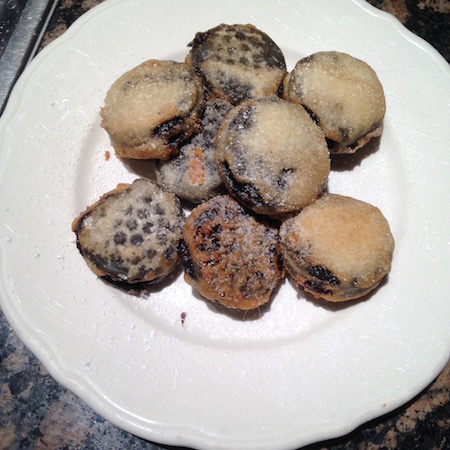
{"x": 338, "y": 248}
{"x": 229, "y": 255}
{"x": 237, "y": 62}
{"x": 131, "y": 234}
{"x": 272, "y": 156}
{"x": 343, "y": 94}
{"x": 151, "y": 108}
{"x": 192, "y": 174}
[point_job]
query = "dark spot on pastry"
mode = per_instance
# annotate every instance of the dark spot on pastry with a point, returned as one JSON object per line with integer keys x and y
{"x": 295, "y": 87}
{"x": 142, "y": 272}
{"x": 317, "y": 287}
{"x": 117, "y": 259}
{"x": 211, "y": 237}
{"x": 169, "y": 127}
{"x": 216, "y": 229}
{"x": 131, "y": 224}
{"x": 234, "y": 89}
{"x": 136, "y": 260}
{"x": 150, "y": 253}
{"x": 307, "y": 59}
{"x": 273, "y": 56}
{"x": 302, "y": 253}
{"x": 284, "y": 176}
{"x": 163, "y": 224}
{"x": 253, "y": 38}
{"x": 142, "y": 213}
{"x": 147, "y": 200}
{"x": 148, "y": 227}
{"x": 136, "y": 239}
{"x": 240, "y": 35}
{"x": 161, "y": 236}
{"x": 244, "y": 61}
{"x": 345, "y": 133}
{"x": 255, "y": 285}
{"x": 280, "y": 90}
{"x": 273, "y": 250}
{"x": 188, "y": 265}
{"x": 206, "y": 216}
{"x": 215, "y": 243}
{"x": 169, "y": 252}
{"x": 113, "y": 266}
{"x": 246, "y": 192}
{"x": 129, "y": 211}
{"x": 204, "y": 246}
{"x": 243, "y": 120}
{"x": 280, "y": 262}
{"x": 323, "y": 274}
{"x": 159, "y": 210}
{"x": 258, "y": 61}
{"x": 120, "y": 238}
{"x": 199, "y": 39}
{"x": 209, "y": 137}
{"x": 170, "y": 228}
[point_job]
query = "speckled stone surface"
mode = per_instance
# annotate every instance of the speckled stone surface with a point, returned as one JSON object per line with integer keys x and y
{"x": 38, "y": 413}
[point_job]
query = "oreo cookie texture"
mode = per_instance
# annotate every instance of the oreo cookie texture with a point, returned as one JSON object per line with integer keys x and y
{"x": 237, "y": 62}
{"x": 131, "y": 234}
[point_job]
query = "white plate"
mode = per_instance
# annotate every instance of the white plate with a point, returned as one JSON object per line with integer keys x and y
{"x": 301, "y": 372}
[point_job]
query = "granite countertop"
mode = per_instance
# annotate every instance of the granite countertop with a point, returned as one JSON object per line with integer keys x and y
{"x": 36, "y": 412}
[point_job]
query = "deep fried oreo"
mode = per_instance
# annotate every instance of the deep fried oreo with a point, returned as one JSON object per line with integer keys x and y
{"x": 132, "y": 233}
{"x": 192, "y": 173}
{"x": 237, "y": 62}
{"x": 343, "y": 94}
{"x": 272, "y": 156}
{"x": 152, "y": 108}
{"x": 338, "y": 248}
{"x": 229, "y": 255}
